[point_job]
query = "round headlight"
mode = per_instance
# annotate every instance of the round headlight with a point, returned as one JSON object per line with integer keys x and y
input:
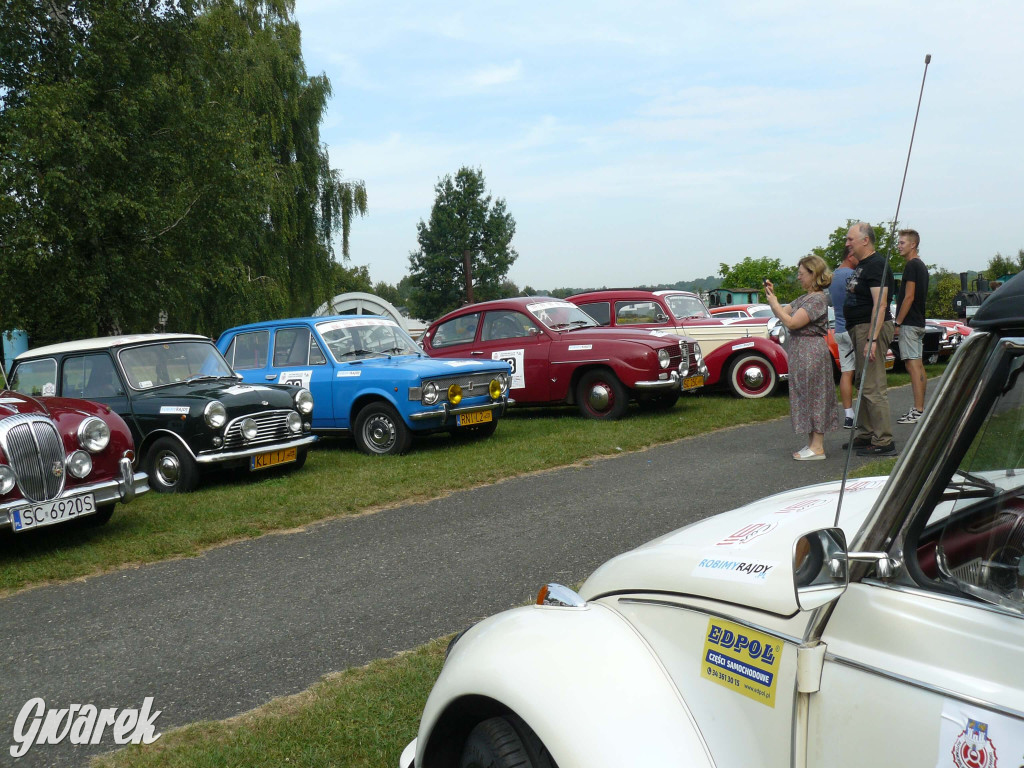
{"x": 294, "y": 421}
{"x": 304, "y": 402}
{"x": 454, "y": 394}
{"x": 249, "y": 429}
{"x": 506, "y": 382}
{"x": 431, "y": 393}
{"x": 663, "y": 358}
{"x": 216, "y": 414}
{"x": 93, "y": 434}
{"x": 494, "y": 389}
{"x": 7, "y": 479}
{"x": 79, "y": 464}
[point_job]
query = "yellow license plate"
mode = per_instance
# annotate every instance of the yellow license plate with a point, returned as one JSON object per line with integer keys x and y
{"x": 476, "y": 417}
{"x": 692, "y": 382}
{"x": 273, "y": 458}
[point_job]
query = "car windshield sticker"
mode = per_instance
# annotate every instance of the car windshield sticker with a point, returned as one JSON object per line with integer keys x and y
{"x": 746, "y": 345}
{"x": 972, "y": 737}
{"x": 48, "y": 389}
{"x": 349, "y": 374}
{"x": 746, "y": 534}
{"x": 549, "y": 305}
{"x": 295, "y": 378}
{"x": 174, "y": 409}
{"x": 142, "y": 385}
{"x": 741, "y": 659}
{"x": 580, "y": 347}
{"x": 362, "y": 322}
{"x": 514, "y": 357}
{"x": 747, "y": 571}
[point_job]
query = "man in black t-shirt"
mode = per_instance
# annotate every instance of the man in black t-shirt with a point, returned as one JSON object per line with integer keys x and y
{"x": 910, "y": 320}
{"x": 869, "y": 324}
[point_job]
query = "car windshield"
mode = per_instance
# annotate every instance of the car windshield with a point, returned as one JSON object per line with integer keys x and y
{"x": 686, "y": 306}
{"x": 172, "y": 362}
{"x": 761, "y": 312}
{"x": 561, "y": 315}
{"x": 362, "y": 337}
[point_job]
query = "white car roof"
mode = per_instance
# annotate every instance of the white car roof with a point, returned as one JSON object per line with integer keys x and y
{"x": 107, "y": 342}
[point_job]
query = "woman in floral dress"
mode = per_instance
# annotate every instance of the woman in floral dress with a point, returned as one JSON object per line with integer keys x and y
{"x": 812, "y": 395}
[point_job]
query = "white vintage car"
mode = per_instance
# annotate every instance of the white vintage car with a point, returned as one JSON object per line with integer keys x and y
{"x": 878, "y": 621}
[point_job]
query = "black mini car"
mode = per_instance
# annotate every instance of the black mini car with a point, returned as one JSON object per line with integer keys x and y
{"x": 187, "y": 410}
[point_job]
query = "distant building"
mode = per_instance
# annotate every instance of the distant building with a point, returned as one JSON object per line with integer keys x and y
{"x": 723, "y": 297}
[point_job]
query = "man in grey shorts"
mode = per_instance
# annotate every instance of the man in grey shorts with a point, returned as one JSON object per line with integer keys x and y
{"x": 909, "y": 319}
{"x": 847, "y": 357}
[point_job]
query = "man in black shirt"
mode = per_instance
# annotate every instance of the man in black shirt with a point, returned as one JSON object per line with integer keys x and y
{"x": 869, "y": 324}
{"x": 910, "y": 320}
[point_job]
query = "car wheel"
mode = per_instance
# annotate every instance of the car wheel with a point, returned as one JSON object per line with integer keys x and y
{"x": 600, "y": 395}
{"x": 300, "y": 459}
{"x": 504, "y": 742}
{"x": 170, "y": 467}
{"x": 752, "y": 377}
{"x": 660, "y": 402}
{"x": 381, "y": 431}
{"x": 475, "y": 432}
{"x": 100, "y": 517}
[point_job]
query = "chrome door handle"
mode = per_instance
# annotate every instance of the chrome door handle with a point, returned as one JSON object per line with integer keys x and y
{"x": 270, "y": 376}
{"x": 476, "y": 352}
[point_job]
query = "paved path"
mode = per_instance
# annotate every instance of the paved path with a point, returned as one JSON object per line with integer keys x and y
{"x": 214, "y": 636}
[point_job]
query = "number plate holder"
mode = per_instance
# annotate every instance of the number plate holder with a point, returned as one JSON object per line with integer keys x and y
{"x": 474, "y": 417}
{"x": 272, "y": 459}
{"x": 692, "y": 382}
{"x": 52, "y": 512}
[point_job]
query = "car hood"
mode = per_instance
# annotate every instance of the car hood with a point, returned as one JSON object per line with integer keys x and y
{"x": 12, "y": 403}
{"x": 654, "y": 337}
{"x": 417, "y": 367}
{"x": 235, "y": 396}
{"x": 742, "y": 557}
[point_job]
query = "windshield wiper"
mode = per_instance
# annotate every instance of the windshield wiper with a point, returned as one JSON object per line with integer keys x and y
{"x": 202, "y": 377}
{"x": 983, "y": 488}
{"x": 355, "y": 352}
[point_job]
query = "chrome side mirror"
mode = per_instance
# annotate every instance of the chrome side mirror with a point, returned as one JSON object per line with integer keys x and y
{"x": 820, "y": 567}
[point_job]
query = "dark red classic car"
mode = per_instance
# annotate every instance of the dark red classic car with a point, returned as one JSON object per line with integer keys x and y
{"x": 62, "y": 459}
{"x": 559, "y": 355}
{"x": 743, "y": 354}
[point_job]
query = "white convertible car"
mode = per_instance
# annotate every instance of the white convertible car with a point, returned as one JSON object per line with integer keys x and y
{"x": 878, "y": 621}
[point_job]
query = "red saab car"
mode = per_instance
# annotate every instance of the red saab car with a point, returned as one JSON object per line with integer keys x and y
{"x": 558, "y": 355}
{"x": 62, "y": 459}
{"x": 743, "y": 354}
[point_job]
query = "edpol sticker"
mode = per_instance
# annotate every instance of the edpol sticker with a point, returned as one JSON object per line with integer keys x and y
{"x": 741, "y": 659}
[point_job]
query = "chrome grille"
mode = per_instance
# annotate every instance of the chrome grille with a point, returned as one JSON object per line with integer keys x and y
{"x": 271, "y": 427}
{"x": 35, "y": 452}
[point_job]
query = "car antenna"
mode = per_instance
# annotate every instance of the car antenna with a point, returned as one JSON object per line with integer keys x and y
{"x": 886, "y": 268}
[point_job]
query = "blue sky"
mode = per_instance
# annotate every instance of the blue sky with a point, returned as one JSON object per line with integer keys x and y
{"x": 649, "y": 142}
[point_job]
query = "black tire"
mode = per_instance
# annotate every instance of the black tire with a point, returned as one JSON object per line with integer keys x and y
{"x": 380, "y": 431}
{"x": 752, "y": 377}
{"x": 600, "y": 395}
{"x": 300, "y": 459}
{"x": 170, "y": 467}
{"x": 504, "y": 742}
{"x": 475, "y": 432}
{"x": 660, "y": 402}
{"x": 100, "y": 517}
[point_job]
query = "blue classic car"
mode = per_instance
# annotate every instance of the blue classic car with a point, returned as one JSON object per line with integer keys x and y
{"x": 370, "y": 379}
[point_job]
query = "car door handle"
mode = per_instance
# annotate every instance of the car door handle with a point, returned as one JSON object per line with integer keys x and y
{"x": 270, "y": 376}
{"x": 476, "y": 352}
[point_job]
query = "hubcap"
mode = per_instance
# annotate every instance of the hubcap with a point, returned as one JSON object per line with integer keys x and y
{"x": 379, "y": 433}
{"x": 752, "y": 377}
{"x": 599, "y": 397}
{"x": 168, "y": 468}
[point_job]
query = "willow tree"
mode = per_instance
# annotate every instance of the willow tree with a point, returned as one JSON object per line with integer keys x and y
{"x": 162, "y": 158}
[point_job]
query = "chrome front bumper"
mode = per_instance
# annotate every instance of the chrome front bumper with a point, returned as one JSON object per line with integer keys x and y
{"x": 215, "y": 457}
{"x": 672, "y": 381}
{"x": 447, "y": 411}
{"x": 124, "y": 488}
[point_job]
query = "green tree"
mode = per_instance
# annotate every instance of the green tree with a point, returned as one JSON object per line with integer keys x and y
{"x": 465, "y": 249}
{"x": 751, "y": 274}
{"x": 162, "y": 155}
{"x": 1000, "y": 265}
{"x": 943, "y": 287}
{"x": 834, "y": 251}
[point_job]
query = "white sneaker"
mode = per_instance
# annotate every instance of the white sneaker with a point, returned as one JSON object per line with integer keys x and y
{"x": 910, "y": 417}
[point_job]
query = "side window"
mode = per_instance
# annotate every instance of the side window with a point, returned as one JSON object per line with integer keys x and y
{"x": 291, "y": 347}
{"x": 727, "y": 314}
{"x": 90, "y": 377}
{"x": 601, "y": 311}
{"x": 316, "y": 355}
{"x": 459, "y": 330}
{"x": 249, "y": 350}
{"x": 630, "y": 312}
{"x": 37, "y": 378}
{"x": 505, "y": 324}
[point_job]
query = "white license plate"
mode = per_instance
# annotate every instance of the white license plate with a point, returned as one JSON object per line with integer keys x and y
{"x": 52, "y": 512}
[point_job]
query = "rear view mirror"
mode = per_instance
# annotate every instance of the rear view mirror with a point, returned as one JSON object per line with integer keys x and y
{"x": 820, "y": 572}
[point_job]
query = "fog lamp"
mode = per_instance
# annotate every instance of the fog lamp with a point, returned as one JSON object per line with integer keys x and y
{"x": 294, "y": 422}
{"x": 249, "y": 429}
{"x": 494, "y": 389}
{"x": 79, "y": 464}
{"x": 454, "y": 394}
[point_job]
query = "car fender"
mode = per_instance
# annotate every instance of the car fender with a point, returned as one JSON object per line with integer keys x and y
{"x": 582, "y": 678}
{"x": 718, "y": 359}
